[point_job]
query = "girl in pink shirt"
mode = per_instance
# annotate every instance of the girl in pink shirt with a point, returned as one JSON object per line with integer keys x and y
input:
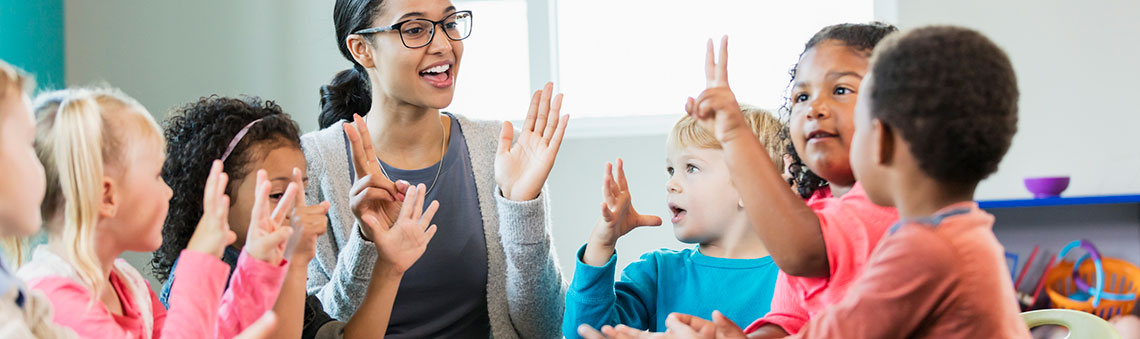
{"x": 103, "y": 154}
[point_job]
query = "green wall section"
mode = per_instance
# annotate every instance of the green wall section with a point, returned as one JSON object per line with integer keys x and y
{"x": 31, "y": 37}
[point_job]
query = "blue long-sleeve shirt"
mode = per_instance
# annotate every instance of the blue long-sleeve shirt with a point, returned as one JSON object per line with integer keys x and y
{"x": 666, "y": 281}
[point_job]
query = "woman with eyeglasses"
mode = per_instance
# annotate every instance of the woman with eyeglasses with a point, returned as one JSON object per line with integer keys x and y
{"x": 490, "y": 269}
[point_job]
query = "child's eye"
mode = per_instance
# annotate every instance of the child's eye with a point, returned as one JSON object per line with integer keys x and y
{"x": 692, "y": 169}
{"x": 800, "y": 98}
{"x": 843, "y": 90}
{"x": 669, "y": 170}
{"x": 276, "y": 196}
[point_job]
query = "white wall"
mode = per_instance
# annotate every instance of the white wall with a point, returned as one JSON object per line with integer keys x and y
{"x": 1076, "y": 63}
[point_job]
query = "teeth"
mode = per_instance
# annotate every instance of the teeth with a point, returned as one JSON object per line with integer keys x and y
{"x": 438, "y": 69}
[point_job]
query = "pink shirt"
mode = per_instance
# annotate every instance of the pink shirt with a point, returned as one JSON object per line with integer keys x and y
{"x": 851, "y": 226}
{"x": 201, "y": 276}
{"x": 198, "y": 308}
{"x": 931, "y": 278}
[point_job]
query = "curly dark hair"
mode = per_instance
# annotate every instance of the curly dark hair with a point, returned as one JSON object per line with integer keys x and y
{"x": 951, "y": 93}
{"x": 861, "y": 38}
{"x": 198, "y": 133}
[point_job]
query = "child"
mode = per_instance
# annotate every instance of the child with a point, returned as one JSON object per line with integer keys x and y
{"x": 936, "y": 116}
{"x": 94, "y": 213}
{"x": 247, "y": 134}
{"x": 26, "y": 314}
{"x": 821, "y": 247}
{"x": 706, "y": 210}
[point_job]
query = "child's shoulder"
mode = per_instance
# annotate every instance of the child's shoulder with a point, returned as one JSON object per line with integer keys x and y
{"x": 667, "y": 254}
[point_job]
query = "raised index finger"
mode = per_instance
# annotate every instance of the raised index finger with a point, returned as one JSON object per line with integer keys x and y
{"x": 359, "y": 160}
{"x": 366, "y": 141}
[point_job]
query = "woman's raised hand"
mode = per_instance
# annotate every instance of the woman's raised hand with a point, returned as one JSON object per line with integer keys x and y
{"x": 522, "y": 164}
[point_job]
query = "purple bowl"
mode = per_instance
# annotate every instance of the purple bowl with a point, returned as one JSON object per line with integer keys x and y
{"x": 1046, "y": 187}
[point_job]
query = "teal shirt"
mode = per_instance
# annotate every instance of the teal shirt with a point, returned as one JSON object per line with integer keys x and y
{"x": 666, "y": 281}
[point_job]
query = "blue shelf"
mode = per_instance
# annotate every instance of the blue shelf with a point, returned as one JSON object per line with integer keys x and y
{"x": 1061, "y": 201}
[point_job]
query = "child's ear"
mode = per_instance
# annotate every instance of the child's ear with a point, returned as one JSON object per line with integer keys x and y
{"x": 361, "y": 49}
{"x": 109, "y": 204}
{"x": 884, "y": 139}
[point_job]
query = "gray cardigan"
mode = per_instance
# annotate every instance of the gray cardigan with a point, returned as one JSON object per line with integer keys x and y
{"x": 525, "y": 288}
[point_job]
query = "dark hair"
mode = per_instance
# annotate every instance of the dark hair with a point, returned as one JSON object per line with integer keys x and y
{"x": 349, "y": 91}
{"x": 951, "y": 93}
{"x": 198, "y": 133}
{"x": 860, "y": 37}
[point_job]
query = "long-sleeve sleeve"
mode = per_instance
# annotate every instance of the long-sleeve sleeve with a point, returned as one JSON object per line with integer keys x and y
{"x": 194, "y": 298}
{"x": 253, "y": 290}
{"x": 595, "y": 299}
{"x": 340, "y": 278}
{"x": 535, "y": 287}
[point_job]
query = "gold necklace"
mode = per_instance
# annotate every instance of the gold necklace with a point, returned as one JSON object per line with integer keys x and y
{"x": 439, "y": 166}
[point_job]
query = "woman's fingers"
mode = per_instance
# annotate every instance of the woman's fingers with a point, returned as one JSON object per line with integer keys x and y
{"x": 552, "y": 119}
{"x": 359, "y": 160}
{"x": 555, "y": 142}
{"x": 532, "y": 111}
{"x": 421, "y": 195}
{"x": 429, "y": 213}
{"x": 366, "y": 142}
{"x": 378, "y": 182}
{"x": 407, "y": 206}
{"x": 543, "y": 109}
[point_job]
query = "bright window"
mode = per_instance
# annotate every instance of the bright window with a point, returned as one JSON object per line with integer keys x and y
{"x": 622, "y": 58}
{"x": 494, "y": 76}
{"x": 636, "y": 58}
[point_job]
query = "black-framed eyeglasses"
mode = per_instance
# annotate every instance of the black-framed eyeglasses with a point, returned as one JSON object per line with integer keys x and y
{"x": 416, "y": 33}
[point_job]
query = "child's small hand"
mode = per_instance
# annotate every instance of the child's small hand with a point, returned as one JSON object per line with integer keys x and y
{"x": 400, "y": 245}
{"x": 268, "y": 234}
{"x": 716, "y": 108}
{"x": 618, "y": 217}
{"x": 213, "y": 233}
{"x": 311, "y": 221}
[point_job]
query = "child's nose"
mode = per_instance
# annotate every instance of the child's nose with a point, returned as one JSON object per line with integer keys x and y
{"x": 819, "y": 110}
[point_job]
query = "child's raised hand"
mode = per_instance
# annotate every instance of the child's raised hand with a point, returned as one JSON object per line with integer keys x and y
{"x": 310, "y": 221}
{"x": 400, "y": 245}
{"x": 618, "y": 217}
{"x": 716, "y": 108}
{"x": 213, "y": 232}
{"x": 268, "y": 233}
{"x": 372, "y": 194}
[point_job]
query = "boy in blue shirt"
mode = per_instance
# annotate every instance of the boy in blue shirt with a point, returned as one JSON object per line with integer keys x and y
{"x": 728, "y": 270}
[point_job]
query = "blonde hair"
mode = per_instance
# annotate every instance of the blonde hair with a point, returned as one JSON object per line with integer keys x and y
{"x": 687, "y": 132}
{"x": 12, "y": 77}
{"x": 77, "y": 143}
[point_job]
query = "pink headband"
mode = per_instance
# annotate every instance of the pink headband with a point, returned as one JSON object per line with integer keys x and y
{"x": 237, "y": 139}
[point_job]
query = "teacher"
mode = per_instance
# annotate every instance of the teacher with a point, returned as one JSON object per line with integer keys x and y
{"x": 490, "y": 270}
